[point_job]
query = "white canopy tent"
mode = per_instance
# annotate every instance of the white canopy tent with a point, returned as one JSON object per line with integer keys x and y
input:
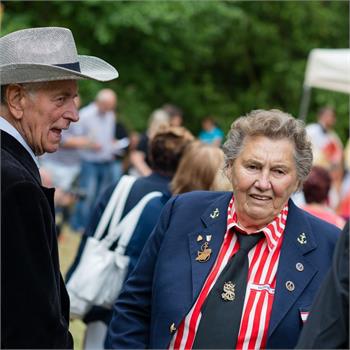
{"x": 326, "y": 69}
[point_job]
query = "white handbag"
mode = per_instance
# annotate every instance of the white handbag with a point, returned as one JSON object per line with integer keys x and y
{"x": 100, "y": 274}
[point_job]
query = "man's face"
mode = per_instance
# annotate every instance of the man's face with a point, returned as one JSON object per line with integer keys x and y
{"x": 48, "y": 111}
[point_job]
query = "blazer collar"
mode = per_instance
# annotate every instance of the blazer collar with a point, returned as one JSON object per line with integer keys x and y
{"x": 214, "y": 221}
{"x": 298, "y": 241}
{"x": 11, "y": 145}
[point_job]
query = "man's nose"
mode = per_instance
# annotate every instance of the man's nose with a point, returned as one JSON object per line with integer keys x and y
{"x": 72, "y": 112}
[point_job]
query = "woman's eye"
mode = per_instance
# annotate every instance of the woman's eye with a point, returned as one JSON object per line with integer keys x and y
{"x": 252, "y": 167}
{"x": 279, "y": 172}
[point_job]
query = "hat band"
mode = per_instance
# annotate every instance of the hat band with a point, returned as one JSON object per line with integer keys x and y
{"x": 72, "y": 66}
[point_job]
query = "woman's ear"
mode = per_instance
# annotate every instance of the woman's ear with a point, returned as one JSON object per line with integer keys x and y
{"x": 15, "y": 98}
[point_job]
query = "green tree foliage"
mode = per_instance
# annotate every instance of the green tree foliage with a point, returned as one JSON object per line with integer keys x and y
{"x": 209, "y": 57}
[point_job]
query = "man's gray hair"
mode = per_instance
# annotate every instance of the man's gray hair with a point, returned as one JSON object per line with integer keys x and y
{"x": 275, "y": 125}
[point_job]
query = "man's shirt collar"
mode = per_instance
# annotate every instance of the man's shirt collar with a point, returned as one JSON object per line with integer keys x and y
{"x": 11, "y": 130}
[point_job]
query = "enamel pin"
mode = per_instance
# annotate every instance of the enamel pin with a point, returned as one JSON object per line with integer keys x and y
{"x": 302, "y": 238}
{"x": 203, "y": 255}
{"x": 229, "y": 291}
{"x": 215, "y": 213}
{"x": 199, "y": 238}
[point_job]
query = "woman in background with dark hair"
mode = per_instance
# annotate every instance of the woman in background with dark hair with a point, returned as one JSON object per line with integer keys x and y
{"x": 316, "y": 189}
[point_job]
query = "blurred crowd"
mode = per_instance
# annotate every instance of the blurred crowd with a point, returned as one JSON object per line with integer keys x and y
{"x": 97, "y": 150}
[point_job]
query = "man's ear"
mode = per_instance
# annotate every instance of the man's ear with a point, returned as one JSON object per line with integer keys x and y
{"x": 15, "y": 98}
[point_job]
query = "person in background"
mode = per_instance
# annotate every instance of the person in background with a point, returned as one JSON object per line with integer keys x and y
{"x": 139, "y": 161}
{"x": 328, "y": 150}
{"x": 326, "y": 145}
{"x": 175, "y": 114}
{"x": 225, "y": 270}
{"x": 39, "y": 69}
{"x": 211, "y": 133}
{"x": 165, "y": 151}
{"x": 98, "y": 166}
{"x": 316, "y": 189}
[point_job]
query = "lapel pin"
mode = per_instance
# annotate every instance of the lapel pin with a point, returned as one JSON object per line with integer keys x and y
{"x": 208, "y": 238}
{"x": 290, "y": 286}
{"x": 203, "y": 255}
{"x": 229, "y": 291}
{"x": 215, "y": 213}
{"x": 172, "y": 328}
{"x": 299, "y": 266}
{"x": 199, "y": 238}
{"x": 302, "y": 238}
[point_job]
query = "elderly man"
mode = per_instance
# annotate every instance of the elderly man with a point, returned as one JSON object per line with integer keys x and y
{"x": 38, "y": 68}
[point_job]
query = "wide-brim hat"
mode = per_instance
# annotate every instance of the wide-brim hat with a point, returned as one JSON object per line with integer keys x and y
{"x": 47, "y": 54}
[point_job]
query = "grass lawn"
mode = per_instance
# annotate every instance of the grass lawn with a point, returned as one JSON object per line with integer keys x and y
{"x": 68, "y": 245}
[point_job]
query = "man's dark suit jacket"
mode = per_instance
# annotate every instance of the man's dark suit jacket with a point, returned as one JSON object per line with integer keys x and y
{"x": 34, "y": 301}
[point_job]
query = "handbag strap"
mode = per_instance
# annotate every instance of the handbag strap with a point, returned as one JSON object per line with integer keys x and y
{"x": 125, "y": 229}
{"x": 115, "y": 205}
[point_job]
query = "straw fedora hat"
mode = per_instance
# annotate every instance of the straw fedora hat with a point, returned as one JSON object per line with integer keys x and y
{"x": 46, "y": 54}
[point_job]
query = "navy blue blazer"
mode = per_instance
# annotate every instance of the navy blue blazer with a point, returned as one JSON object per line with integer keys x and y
{"x": 167, "y": 279}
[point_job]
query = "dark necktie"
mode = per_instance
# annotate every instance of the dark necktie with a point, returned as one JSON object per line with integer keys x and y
{"x": 222, "y": 310}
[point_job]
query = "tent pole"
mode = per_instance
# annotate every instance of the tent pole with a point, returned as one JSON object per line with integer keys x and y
{"x": 304, "y": 104}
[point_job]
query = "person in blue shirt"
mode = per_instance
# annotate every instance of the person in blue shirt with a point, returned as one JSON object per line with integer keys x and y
{"x": 211, "y": 133}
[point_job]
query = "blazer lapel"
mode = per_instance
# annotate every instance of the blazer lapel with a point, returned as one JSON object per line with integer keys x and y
{"x": 214, "y": 228}
{"x": 298, "y": 241}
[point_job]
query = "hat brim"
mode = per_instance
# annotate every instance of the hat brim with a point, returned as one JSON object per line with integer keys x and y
{"x": 90, "y": 68}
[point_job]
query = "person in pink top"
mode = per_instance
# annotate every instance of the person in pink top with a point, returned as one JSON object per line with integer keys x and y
{"x": 316, "y": 189}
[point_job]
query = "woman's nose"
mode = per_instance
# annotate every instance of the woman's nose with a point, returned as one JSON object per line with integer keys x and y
{"x": 263, "y": 182}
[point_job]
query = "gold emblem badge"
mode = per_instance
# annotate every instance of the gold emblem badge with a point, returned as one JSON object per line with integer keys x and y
{"x": 204, "y": 254}
{"x": 302, "y": 238}
{"x": 215, "y": 213}
{"x": 229, "y": 291}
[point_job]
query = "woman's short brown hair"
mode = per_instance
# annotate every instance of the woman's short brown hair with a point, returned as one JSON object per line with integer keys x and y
{"x": 273, "y": 124}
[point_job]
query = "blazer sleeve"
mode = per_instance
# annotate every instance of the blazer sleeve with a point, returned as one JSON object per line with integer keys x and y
{"x": 30, "y": 299}
{"x": 131, "y": 323}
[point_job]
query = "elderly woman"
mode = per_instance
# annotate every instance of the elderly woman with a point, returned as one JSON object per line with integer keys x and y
{"x": 232, "y": 270}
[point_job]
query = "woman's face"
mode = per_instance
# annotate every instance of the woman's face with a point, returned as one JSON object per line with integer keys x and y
{"x": 263, "y": 178}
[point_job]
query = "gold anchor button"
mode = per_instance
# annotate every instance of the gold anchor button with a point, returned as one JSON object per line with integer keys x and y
{"x": 203, "y": 255}
{"x": 302, "y": 238}
{"x": 215, "y": 213}
{"x": 172, "y": 328}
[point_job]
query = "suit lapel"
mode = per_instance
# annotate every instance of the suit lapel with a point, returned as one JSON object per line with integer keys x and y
{"x": 298, "y": 241}
{"x": 214, "y": 228}
{"x": 11, "y": 145}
